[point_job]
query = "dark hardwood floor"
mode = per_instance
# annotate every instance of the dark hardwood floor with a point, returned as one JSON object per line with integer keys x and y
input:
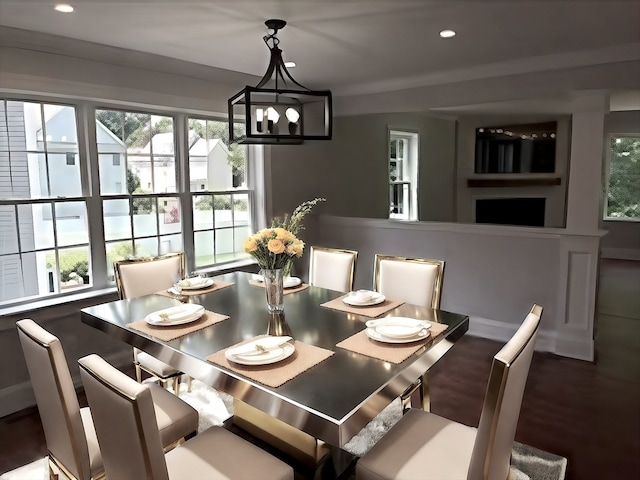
{"x": 586, "y": 412}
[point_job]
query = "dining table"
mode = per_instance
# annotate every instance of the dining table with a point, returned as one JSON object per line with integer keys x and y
{"x": 336, "y": 379}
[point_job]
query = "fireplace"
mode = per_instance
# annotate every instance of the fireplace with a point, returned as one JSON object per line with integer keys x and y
{"x": 522, "y": 211}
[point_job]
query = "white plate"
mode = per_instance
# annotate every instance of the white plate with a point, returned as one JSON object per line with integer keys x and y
{"x": 291, "y": 282}
{"x": 375, "y": 300}
{"x": 272, "y": 356}
{"x": 198, "y": 283}
{"x": 188, "y": 312}
{"x": 398, "y": 327}
{"x": 257, "y": 277}
{"x": 374, "y": 335}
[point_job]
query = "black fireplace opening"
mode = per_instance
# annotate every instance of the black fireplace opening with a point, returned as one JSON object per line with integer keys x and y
{"x": 511, "y": 211}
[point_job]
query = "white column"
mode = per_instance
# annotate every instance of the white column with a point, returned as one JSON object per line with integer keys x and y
{"x": 585, "y": 170}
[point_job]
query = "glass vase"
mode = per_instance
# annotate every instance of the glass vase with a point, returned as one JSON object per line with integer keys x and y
{"x": 274, "y": 289}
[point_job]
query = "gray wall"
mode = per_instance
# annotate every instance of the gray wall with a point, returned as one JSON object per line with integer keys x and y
{"x": 351, "y": 171}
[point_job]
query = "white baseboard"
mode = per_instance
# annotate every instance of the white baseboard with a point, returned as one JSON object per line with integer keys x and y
{"x": 621, "y": 253}
{"x": 20, "y": 396}
{"x": 546, "y": 341}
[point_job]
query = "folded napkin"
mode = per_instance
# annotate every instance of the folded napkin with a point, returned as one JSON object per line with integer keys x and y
{"x": 259, "y": 346}
{"x": 173, "y": 314}
{"x": 192, "y": 282}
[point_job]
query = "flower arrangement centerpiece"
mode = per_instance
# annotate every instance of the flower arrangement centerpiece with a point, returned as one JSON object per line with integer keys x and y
{"x": 275, "y": 248}
{"x": 293, "y": 223}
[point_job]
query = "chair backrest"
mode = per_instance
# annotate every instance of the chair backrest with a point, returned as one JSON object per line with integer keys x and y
{"x": 332, "y": 268}
{"x": 124, "y": 417}
{"x": 413, "y": 280}
{"x": 56, "y": 398}
{"x": 494, "y": 440}
{"x": 142, "y": 276}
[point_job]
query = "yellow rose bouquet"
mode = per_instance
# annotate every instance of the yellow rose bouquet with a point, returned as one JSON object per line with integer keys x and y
{"x": 273, "y": 248}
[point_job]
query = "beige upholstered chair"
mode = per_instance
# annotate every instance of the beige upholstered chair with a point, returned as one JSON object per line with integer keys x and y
{"x": 332, "y": 268}
{"x": 130, "y": 442}
{"x": 143, "y": 276}
{"x": 413, "y": 280}
{"x": 425, "y": 446}
{"x": 68, "y": 429}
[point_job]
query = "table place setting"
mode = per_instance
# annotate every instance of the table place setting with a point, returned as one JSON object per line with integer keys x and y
{"x": 363, "y": 302}
{"x": 270, "y": 360}
{"x": 393, "y": 339}
{"x": 174, "y": 322}
{"x": 194, "y": 286}
{"x": 289, "y": 284}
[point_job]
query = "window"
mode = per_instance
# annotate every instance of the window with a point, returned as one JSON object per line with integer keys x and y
{"x": 623, "y": 179}
{"x": 44, "y": 238}
{"x": 140, "y": 221}
{"x": 403, "y": 175}
{"x": 58, "y": 236}
{"x": 221, "y": 221}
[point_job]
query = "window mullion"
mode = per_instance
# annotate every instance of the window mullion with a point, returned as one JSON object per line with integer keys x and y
{"x": 87, "y": 148}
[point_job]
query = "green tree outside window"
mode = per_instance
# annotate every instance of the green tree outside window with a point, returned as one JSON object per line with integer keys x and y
{"x": 623, "y": 193}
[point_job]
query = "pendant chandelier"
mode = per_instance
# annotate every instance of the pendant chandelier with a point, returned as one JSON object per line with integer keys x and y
{"x": 279, "y": 111}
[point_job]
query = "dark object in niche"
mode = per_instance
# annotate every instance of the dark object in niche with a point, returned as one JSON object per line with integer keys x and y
{"x": 511, "y": 211}
{"x": 527, "y": 148}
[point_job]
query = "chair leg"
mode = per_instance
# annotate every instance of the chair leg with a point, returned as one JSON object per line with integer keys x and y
{"x": 53, "y": 471}
{"x": 417, "y": 395}
{"x": 189, "y": 383}
{"x": 176, "y": 385}
{"x": 138, "y": 373}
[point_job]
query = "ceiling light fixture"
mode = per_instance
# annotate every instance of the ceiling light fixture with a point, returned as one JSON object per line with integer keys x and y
{"x": 447, "y": 34}
{"x": 277, "y": 97}
{"x": 64, "y": 8}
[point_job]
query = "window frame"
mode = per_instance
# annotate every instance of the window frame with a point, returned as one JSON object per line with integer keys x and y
{"x": 409, "y": 170}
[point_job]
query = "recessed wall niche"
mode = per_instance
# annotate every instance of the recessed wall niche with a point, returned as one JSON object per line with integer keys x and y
{"x": 527, "y": 148}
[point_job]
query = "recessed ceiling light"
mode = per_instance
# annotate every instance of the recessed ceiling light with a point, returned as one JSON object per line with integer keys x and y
{"x": 64, "y": 8}
{"x": 290, "y": 64}
{"x": 447, "y": 34}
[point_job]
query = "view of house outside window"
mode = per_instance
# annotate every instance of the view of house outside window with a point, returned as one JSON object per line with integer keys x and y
{"x": 220, "y": 197}
{"x": 623, "y": 185}
{"x": 47, "y": 209}
{"x": 137, "y": 168}
{"x": 44, "y": 238}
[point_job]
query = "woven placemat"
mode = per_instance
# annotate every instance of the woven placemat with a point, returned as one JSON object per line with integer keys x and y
{"x": 371, "y": 311}
{"x": 391, "y": 352}
{"x": 285, "y": 291}
{"x": 217, "y": 285}
{"x": 273, "y": 375}
{"x": 171, "y": 333}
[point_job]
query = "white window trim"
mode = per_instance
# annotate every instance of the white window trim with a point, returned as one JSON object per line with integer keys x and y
{"x": 412, "y": 163}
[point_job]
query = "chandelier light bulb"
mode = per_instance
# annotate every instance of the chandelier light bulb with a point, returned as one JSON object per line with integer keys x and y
{"x": 272, "y": 118}
{"x": 259, "y": 118}
{"x": 273, "y": 115}
{"x": 292, "y": 115}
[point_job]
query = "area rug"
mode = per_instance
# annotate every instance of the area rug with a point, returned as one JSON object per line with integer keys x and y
{"x": 215, "y": 408}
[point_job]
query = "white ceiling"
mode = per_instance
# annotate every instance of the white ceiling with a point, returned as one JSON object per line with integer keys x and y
{"x": 349, "y": 46}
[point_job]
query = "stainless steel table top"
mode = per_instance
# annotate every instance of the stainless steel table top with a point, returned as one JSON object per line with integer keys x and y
{"x": 333, "y": 400}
